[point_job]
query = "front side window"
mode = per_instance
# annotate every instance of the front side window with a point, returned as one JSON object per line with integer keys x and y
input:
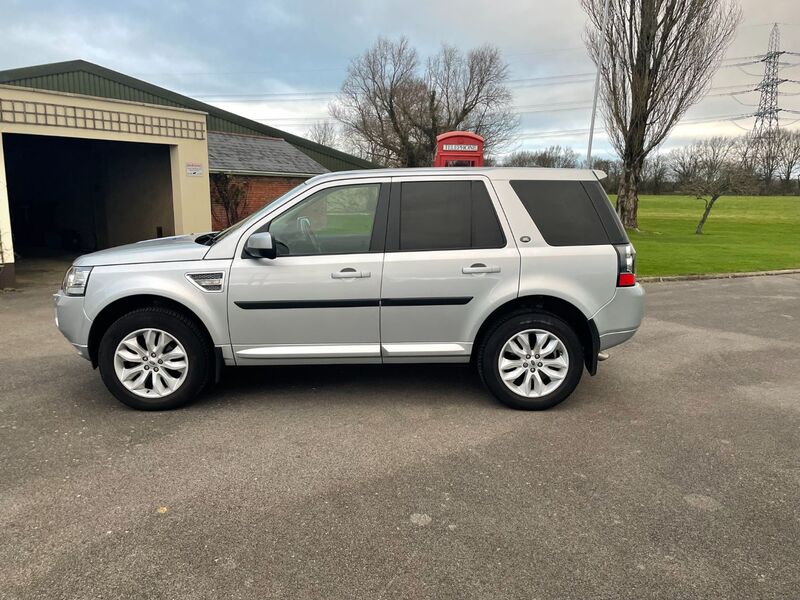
{"x": 447, "y": 215}
{"x": 247, "y": 221}
{"x": 336, "y": 220}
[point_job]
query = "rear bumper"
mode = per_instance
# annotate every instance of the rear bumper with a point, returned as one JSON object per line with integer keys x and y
{"x": 72, "y": 321}
{"x": 610, "y": 340}
{"x": 618, "y": 320}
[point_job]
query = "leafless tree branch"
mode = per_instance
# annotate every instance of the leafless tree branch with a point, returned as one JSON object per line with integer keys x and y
{"x": 711, "y": 168}
{"x": 556, "y": 157}
{"x": 391, "y": 108}
{"x": 230, "y": 192}
{"x": 325, "y": 133}
{"x": 659, "y": 59}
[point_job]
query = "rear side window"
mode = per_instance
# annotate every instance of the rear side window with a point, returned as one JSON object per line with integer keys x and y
{"x": 563, "y": 212}
{"x": 602, "y": 204}
{"x": 446, "y": 215}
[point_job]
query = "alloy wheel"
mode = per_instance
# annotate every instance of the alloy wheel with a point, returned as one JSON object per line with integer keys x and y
{"x": 151, "y": 363}
{"x": 533, "y": 363}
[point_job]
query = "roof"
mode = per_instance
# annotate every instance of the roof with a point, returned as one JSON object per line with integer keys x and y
{"x": 493, "y": 173}
{"x": 82, "y": 77}
{"x": 451, "y": 134}
{"x": 258, "y": 155}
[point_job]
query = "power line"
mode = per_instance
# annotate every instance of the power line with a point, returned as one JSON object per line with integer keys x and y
{"x": 693, "y": 121}
{"x": 551, "y": 77}
{"x": 344, "y": 59}
{"x": 338, "y": 68}
{"x": 744, "y": 103}
{"x": 531, "y": 81}
{"x": 544, "y": 109}
{"x": 767, "y": 109}
{"x": 517, "y": 83}
{"x": 330, "y": 95}
{"x": 748, "y": 73}
{"x": 740, "y": 127}
{"x": 554, "y": 81}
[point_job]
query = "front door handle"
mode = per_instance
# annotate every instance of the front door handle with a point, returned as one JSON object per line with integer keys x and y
{"x": 351, "y": 273}
{"x": 479, "y": 268}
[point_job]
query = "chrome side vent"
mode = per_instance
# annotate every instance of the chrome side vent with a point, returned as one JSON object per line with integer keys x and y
{"x": 208, "y": 282}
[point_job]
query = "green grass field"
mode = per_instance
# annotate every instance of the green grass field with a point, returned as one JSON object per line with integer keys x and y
{"x": 743, "y": 233}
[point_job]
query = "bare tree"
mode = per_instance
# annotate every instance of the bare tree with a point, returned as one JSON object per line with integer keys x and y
{"x": 392, "y": 109}
{"x": 231, "y": 193}
{"x": 788, "y": 156}
{"x": 325, "y": 133}
{"x": 717, "y": 170}
{"x": 660, "y": 57}
{"x": 556, "y": 157}
{"x": 766, "y": 154}
{"x": 521, "y": 158}
{"x": 655, "y": 172}
{"x": 613, "y": 171}
{"x": 683, "y": 164}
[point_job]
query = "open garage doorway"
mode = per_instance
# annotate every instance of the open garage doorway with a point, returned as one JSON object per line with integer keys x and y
{"x": 68, "y": 196}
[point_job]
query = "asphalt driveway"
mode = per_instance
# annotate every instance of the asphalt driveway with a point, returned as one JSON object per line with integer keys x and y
{"x": 675, "y": 473}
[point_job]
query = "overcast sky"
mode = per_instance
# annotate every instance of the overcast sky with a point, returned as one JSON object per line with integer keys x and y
{"x": 282, "y": 62}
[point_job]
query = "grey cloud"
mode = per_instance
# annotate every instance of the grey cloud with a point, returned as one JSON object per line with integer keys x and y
{"x": 205, "y": 47}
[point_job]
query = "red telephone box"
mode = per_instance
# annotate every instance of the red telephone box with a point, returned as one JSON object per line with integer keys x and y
{"x": 458, "y": 149}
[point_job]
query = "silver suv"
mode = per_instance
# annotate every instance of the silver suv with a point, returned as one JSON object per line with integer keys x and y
{"x": 525, "y": 272}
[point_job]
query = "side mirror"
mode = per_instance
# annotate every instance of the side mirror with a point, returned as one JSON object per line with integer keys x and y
{"x": 261, "y": 245}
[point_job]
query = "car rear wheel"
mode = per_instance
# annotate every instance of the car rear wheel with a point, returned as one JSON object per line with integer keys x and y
{"x": 531, "y": 361}
{"x": 154, "y": 359}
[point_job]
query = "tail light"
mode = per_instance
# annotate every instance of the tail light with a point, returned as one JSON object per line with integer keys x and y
{"x": 626, "y": 272}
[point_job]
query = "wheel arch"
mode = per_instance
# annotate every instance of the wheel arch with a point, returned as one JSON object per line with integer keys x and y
{"x": 126, "y": 304}
{"x": 583, "y": 326}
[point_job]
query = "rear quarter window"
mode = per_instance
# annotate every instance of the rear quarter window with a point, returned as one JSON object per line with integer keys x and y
{"x": 563, "y": 212}
{"x": 602, "y": 204}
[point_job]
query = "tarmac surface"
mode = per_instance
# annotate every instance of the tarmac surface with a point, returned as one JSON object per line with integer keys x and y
{"x": 674, "y": 473}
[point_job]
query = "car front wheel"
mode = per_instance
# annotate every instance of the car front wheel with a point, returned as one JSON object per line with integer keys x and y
{"x": 531, "y": 361}
{"x": 154, "y": 359}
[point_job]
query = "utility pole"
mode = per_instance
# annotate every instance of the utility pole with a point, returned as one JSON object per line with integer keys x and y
{"x": 600, "y": 57}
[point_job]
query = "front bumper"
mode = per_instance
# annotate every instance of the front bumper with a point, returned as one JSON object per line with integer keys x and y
{"x": 72, "y": 321}
{"x": 618, "y": 320}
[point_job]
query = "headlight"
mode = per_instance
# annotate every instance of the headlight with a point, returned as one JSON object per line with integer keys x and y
{"x": 75, "y": 281}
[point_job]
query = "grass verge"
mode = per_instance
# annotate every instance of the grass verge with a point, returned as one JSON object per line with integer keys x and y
{"x": 743, "y": 233}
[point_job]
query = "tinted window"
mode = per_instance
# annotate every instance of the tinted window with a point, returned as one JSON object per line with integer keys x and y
{"x": 563, "y": 212}
{"x": 602, "y": 204}
{"x": 336, "y": 220}
{"x": 486, "y": 230}
{"x": 447, "y": 215}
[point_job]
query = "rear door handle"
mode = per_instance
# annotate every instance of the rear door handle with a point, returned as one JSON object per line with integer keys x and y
{"x": 351, "y": 273}
{"x": 479, "y": 268}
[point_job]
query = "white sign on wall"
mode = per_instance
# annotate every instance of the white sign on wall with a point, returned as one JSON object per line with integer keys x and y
{"x": 461, "y": 147}
{"x": 194, "y": 169}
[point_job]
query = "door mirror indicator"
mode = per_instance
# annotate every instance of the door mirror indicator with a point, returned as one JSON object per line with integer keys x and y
{"x": 261, "y": 245}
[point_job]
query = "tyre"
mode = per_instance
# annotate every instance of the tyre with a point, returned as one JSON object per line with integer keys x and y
{"x": 531, "y": 360}
{"x": 155, "y": 359}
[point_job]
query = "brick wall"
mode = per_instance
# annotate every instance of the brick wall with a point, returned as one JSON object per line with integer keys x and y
{"x": 260, "y": 191}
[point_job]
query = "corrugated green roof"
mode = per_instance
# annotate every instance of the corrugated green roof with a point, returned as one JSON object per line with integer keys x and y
{"x": 81, "y": 77}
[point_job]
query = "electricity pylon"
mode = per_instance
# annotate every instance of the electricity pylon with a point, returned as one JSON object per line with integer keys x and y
{"x": 767, "y": 114}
